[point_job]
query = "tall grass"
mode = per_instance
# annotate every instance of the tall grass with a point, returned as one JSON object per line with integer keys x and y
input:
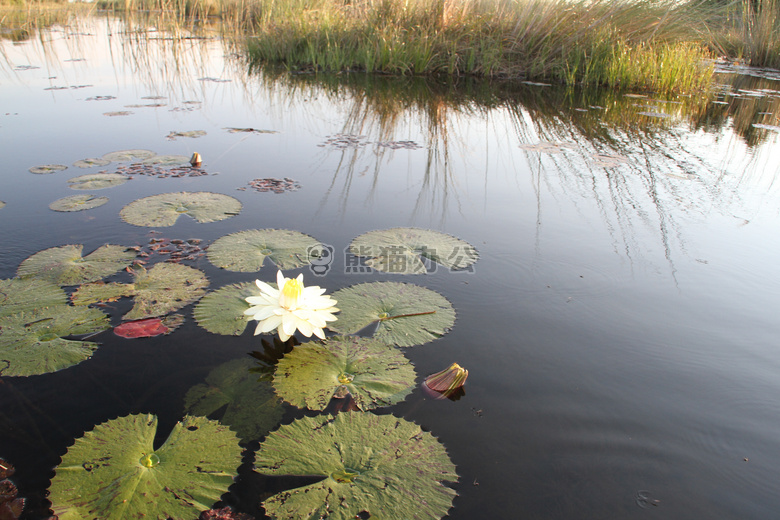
{"x": 652, "y": 44}
{"x": 750, "y": 30}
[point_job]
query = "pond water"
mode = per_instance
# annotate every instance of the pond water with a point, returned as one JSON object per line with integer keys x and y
{"x": 620, "y": 326}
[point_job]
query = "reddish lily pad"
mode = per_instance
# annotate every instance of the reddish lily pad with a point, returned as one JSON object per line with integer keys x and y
{"x": 149, "y": 327}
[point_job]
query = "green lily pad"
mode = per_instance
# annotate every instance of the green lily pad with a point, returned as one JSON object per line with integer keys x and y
{"x": 401, "y": 250}
{"x": 129, "y": 155}
{"x": 158, "y": 291}
{"x": 190, "y": 133}
{"x": 380, "y": 465}
{"x": 114, "y": 473}
{"x": 246, "y": 251}
{"x": 77, "y": 203}
{"x": 251, "y": 407}
{"x": 64, "y": 265}
{"x": 34, "y": 319}
{"x": 163, "y": 210}
{"x": 400, "y": 314}
{"x": 48, "y": 168}
{"x": 89, "y": 163}
{"x": 166, "y": 160}
{"x": 222, "y": 311}
{"x": 97, "y": 181}
{"x": 375, "y": 374}
{"x": 17, "y": 295}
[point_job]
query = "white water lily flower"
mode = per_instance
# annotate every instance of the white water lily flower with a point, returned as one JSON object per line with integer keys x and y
{"x": 291, "y": 307}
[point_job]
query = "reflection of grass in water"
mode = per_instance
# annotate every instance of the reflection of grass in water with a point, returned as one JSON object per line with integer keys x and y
{"x": 19, "y": 20}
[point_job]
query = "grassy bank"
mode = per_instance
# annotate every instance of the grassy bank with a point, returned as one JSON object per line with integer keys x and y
{"x": 631, "y": 44}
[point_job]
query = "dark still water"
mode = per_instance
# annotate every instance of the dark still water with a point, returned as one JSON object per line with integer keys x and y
{"x": 620, "y": 327}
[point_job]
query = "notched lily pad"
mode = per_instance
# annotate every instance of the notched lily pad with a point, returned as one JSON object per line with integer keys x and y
{"x": 222, "y": 311}
{"x": 399, "y": 314}
{"x": 48, "y": 168}
{"x": 402, "y": 250}
{"x": 158, "y": 291}
{"x": 129, "y": 155}
{"x": 17, "y": 295}
{"x": 77, "y": 203}
{"x": 250, "y": 406}
{"x": 89, "y": 163}
{"x": 370, "y": 464}
{"x": 166, "y": 160}
{"x": 246, "y": 251}
{"x": 373, "y": 373}
{"x": 64, "y": 265}
{"x": 114, "y": 473}
{"x": 33, "y": 341}
{"x": 97, "y": 181}
{"x": 163, "y": 210}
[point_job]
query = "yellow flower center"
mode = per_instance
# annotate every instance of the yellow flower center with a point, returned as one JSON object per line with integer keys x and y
{"x": 291, "y": 294}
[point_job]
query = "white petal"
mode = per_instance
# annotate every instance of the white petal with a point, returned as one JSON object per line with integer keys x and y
{"x": 280, "y": 279}
{"x": 305, "y": 328}
{"x": 265, "y": 288}
{"x": 300, "y": 279}
{"x": 319, "y": 333}
{"x": 271, "y": 323}
{"x": 289, "y": 323}
{"x": 282, "y": 335}
{"x": 312, "y": 291}
{"x": 263, "y": 312}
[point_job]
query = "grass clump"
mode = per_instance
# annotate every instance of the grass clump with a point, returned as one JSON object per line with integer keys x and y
{"x": 751, "y": 31}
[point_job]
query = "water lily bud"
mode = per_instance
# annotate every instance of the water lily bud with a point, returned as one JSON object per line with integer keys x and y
{"x": 447, "y": 381}
{"x": 196, "y": 160}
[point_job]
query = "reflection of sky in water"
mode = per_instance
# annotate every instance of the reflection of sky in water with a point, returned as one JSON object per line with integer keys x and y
{"x": 622, "y": 302}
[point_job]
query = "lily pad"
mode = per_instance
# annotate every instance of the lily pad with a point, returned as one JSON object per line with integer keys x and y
{"x": 89, "y": 163}
{"x": 32, "y": 342}
{"x": 246, "y": 251}
{"x": 376, "y": 465}
{"x": 149, "y": 327}
{"x": 374, "y": 374}
{"x": 399, "y": 314}
{"x": 190, "y": 133}
{"x": 114, "y": 473}
{"x": 97, "y": 181}
{"x": 2, "y": 204}
{"x": 158, "y": 291}
{"x": 64, "y": 265}
{"x": 251, "y": 407}
{"x": 129, "y": 155}
{"x": 77, "y": 203}
{"x": 17, "y": 295}
{"x": 166, "y": 160}
{"x": 222, "y": 311}
{"x": 48, "y": 168}
{"x": 163, "y": 210}
{"x": 401, "y": 250}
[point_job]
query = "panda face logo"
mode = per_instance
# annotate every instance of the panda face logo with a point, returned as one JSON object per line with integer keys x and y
{"x": 320, "y": 257}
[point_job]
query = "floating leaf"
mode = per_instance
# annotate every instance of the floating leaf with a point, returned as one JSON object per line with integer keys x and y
{"x": 162, "y": 289}
{"x": 18, "y": 295}
{"x": 48, "y": 168}
{"x": 2, "y": 204}
{"x": 129, "y": 155}
{"x": 251, "y": 407}
{"x": 163, "y": 210}
{"x": 401, "y": 250}
{"x": 222, "y": 311}
{"x": 446, "y": 384}
{"x": 166, "y": 160}
{"x": 32, "y": 341}
{"x": 250, "y": 130}
{"x": 374, "y": 374}
{"x": 191, "y": 133}
{"x": 246, "y": 251}
{"x": 64, "y": 265}
{"x": 114, "y": 473}
{"x": 97, "y": 181}
{"x": 658, "y": 115}
{"x": 77, "y": 203}
{"x": 380, "y": 466}
{"x": 547, "y": 147}
{"x": 89, "y": 163}
{"x": 149, "y": 327}
{"x": 118, "y": 113}
{"x": 403, "y": 314}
